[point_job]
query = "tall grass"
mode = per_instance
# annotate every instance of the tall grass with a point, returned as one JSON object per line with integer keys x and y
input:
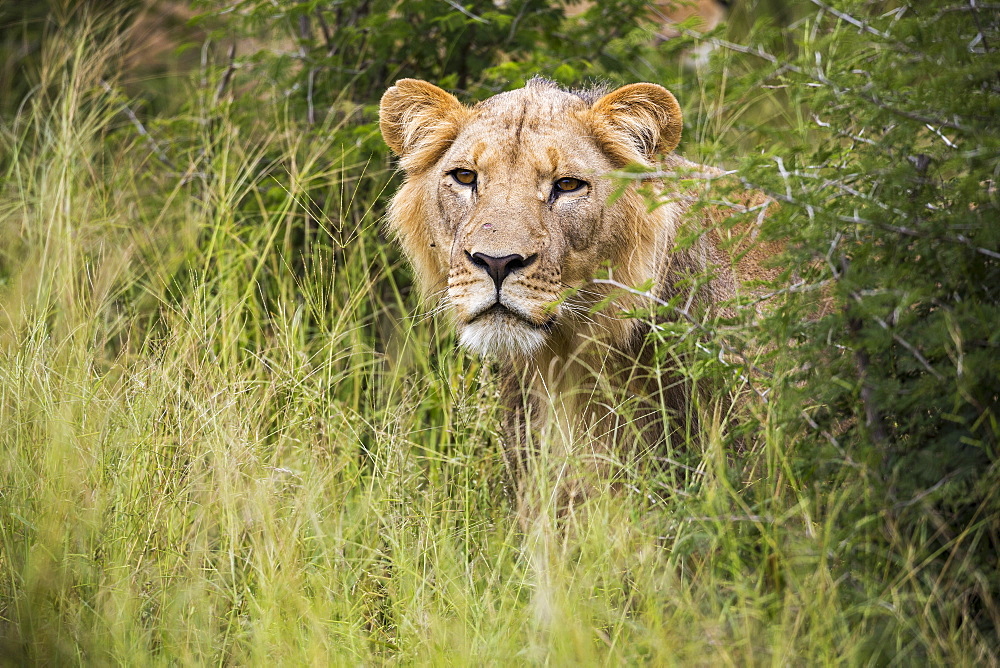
{"x": 227, "y": 439}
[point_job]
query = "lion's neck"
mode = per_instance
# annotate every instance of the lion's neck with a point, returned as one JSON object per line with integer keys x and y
{"x": 576, "y": 386}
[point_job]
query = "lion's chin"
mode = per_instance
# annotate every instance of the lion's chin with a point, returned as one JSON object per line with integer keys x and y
{"x": 502, "y": 340}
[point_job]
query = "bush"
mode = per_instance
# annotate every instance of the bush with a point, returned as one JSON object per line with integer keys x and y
{"x": 889, "y": 203}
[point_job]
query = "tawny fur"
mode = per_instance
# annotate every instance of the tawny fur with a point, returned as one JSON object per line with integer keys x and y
{"x": 566, "y": 369}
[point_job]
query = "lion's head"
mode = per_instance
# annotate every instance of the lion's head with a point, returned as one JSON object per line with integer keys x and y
{"x": 506, "y": 203}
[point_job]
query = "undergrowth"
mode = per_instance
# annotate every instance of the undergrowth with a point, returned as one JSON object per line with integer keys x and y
{"x": 229, "y": 436}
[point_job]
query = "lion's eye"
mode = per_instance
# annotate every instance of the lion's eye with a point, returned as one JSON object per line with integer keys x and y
{"x": 466, "y": 177}
{"x": 568, "y": 185}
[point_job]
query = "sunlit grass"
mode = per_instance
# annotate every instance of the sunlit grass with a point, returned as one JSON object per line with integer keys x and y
{"x": 228, "y": 437}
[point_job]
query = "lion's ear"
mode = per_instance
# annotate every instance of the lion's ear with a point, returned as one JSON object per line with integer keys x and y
{"x": 639, "y": 117}
{"x": 419, "y": 120}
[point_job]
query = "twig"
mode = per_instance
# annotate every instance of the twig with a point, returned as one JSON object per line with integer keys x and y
{"x": 979, "y": 25}
{"x": 850, "y": 19}
{"x": 760, "y": 53}
{"x": 306, "y": 37}
{"x": 687, "y": 316}
{"x": 947, "y": 141}
{"x": 153, "y": 145}
{"x": 327, "y": 35}
{"x": 228, "y": 74}
{"x": 827, "y": 435}
{"x": 903, "y": 342}
{"x": 873, "y": 417}
{"x": 660, "y": 174}
{"x": 738, "y": 208}
{"x": 899, "y": 229}
{"x": 732, "y": 46}
{"x": 913, "y": 116}
{"x": 305, "y": 30}
{"x": 756, "y": 519}
{"x": 516, "y": 21}
{"x": 310, "y": 109}
{"x": 795, "y": 288}
{"x": 927, "y": 492}
{"x": 467, "y": 12}
{"x": 971, "y": 7}
{"x": 920, "y": 118}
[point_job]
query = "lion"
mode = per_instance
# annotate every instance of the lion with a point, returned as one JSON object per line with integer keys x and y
{"x": 507, "y": 216}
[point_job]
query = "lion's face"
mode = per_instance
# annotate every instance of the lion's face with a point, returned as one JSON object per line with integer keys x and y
{"x": 506, "y": 205}
{"x": 518, "y": 219}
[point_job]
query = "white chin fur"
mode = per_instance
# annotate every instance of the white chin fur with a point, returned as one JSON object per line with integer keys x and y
{"x": 502, "y": 341}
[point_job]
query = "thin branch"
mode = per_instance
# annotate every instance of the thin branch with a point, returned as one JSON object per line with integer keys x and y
{"x": 660, "y": 174}
{"x": 153, "y": 145}
{"x": 756, "y": 519}
{"x": 760, "y": 53}
{"x": 920, "y": 118}
{"x": 930, "y": 490}
{"x": 516, "y": 21}
{"x": 873, "y": 416}
{"x": 228, "y": 74}
{"x": 903, "y": 342}
{"x": 305, "y": 30}
{"x": 850, "y": 19}
{"x": 738, "y": 208}
{"x": 855, "y": 219}
{"x": 795, "y": 288}
{"x": 827, "y": 435}
{"x": 311, "y": 110}
{"x": 979, "y": 25}
{"x": 732, "y": 46}
{"x": 687, "y": 316}
{"x": 467, "y": 12}
{"x": 327, "y": 35}
{"x": 913, "y": 116}
{"x": 971, "y": 7}
{"x": 947, "y": 141}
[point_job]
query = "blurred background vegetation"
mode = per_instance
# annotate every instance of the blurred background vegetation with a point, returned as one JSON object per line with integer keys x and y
{"x": 230, "y": 435}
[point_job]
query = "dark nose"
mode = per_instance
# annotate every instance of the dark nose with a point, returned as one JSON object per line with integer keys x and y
{"x": 500, "y": 268}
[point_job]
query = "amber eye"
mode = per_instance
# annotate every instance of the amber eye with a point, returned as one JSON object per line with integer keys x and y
{"x": 568, "y": 185}
{"x": 466, "y": 177}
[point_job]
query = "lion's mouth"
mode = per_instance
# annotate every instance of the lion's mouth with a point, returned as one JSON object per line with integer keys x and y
{"x": 502, "y": 312}
{"x": 504, "y": 331}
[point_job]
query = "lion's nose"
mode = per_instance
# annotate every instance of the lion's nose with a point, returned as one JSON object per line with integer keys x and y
{"x": 500, "y": 268}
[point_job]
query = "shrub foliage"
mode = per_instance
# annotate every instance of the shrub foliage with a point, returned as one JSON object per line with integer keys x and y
{"x": 888, "y": 196}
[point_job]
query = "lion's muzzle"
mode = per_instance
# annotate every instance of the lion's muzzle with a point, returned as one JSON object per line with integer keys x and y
{"x": 497, "y": 312}
{"x": 500, "y": 268}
